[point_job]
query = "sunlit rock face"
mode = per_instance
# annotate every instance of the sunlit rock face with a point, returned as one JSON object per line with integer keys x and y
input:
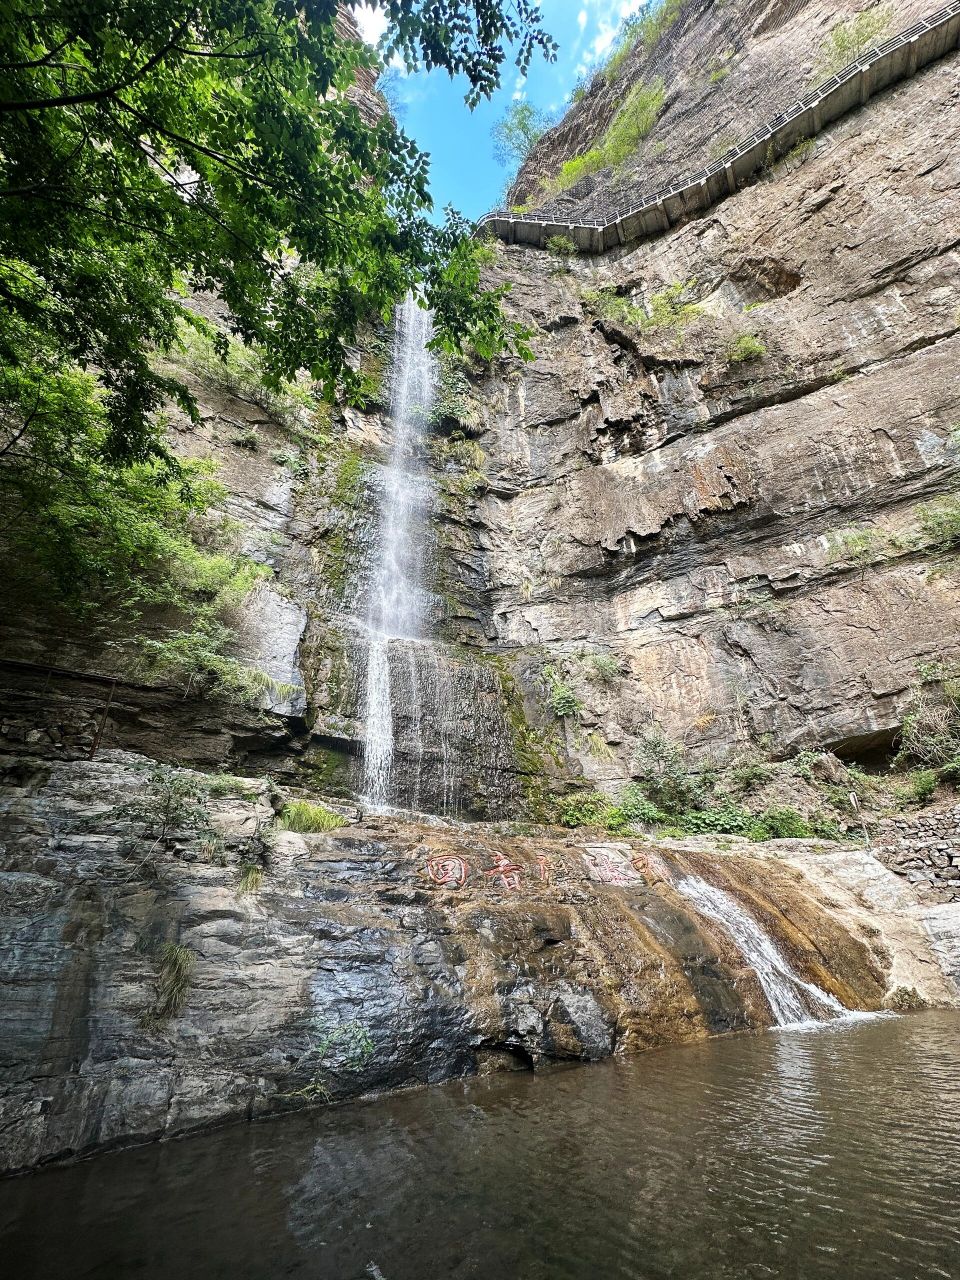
{"x": 725, "y": 70}
{"x": 440, "y": 950}
{"x": 749, "y": 538}
{"x": 744, "y": 538}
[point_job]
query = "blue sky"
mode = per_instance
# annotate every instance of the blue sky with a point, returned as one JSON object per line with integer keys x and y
{"x": 463, "y": 170}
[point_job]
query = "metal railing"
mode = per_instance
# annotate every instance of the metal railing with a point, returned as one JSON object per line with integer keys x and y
{"x": 657, "y": 210}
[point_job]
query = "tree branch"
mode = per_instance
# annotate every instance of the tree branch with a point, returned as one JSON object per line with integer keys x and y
{"x": 38, "y": 62}
{"x": 98, "y": 95}
{"x": 218, "y": 158}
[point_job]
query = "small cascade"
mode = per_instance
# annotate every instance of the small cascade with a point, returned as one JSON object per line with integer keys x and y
{"x": 397, "y": 604}
{"x": 791, "y": 999}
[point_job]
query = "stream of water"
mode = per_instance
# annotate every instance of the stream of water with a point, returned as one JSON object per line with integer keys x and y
{"x": 397, "y": 603}
{"x": 792, "y": 1000}
{"x": 818, "y": 1154}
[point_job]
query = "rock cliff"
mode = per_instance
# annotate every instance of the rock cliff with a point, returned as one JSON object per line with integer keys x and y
{"x": 719, "y": 71}
{"x": 721, "y": 503}
{"x": 736, "y": 494}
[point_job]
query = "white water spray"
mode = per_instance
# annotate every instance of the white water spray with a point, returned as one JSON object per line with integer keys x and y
{"x": 791, "y": 999}
{"x": 397, "y": 602}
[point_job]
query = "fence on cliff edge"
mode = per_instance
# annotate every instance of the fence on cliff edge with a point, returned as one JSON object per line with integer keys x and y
{"x": 898, "y": 58}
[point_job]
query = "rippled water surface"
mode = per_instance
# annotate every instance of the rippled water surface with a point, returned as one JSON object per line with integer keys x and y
{"x": 826, "y": 1153}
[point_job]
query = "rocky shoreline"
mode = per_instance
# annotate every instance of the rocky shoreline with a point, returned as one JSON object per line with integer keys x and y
{"x": 384, "y": 954}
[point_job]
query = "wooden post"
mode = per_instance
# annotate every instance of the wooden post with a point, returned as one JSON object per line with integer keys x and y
{"x": 103, "y": 720}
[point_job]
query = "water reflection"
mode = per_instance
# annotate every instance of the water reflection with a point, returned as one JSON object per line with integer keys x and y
{"x": 793, "y": 1154}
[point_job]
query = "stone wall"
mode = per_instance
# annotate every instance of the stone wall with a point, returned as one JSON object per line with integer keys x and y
{"x": 926, "y": 850}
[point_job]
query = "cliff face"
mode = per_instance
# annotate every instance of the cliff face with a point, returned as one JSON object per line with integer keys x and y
{"x": 290, "y": 469}
{"x": 723, "y": 70}
{"x": 725, "y": 492}
{"x": 739, "y": 504}
{"x": 715, "y": 503}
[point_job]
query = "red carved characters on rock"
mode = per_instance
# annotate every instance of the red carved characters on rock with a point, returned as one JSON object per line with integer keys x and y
{"x": 448, "y": 869}
{"x": 508, "y": 873}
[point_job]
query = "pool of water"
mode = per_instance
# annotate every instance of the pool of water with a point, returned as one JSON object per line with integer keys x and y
{"x": 832, "y": 1152}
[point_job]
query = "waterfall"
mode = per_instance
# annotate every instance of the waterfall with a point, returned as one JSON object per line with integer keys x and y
{"x": 397, "y": 603}
{"x": 791, "y": 999}
{"x": 436, "y": 733}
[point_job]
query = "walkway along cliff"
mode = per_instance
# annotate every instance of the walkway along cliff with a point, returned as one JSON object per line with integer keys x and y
{"x": 879, "y": 67}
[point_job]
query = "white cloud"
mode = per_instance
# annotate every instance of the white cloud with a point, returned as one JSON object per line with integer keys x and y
{"x": 604, "y": 22}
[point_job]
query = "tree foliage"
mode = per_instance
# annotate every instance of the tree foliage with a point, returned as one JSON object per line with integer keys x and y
{"x": 517, "y": 132}
{"x": 153, "y": 149}
{"x": 149, "y": 148}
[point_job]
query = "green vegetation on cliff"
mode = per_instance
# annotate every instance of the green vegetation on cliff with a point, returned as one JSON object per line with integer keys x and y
{"x": 647, "y": 28}
{"x": 345, "y": 488}
{"x": 142, "y": 550}
{"x": 745, "y": 348}
{"x": 756, "y": 796}
{"x": 147, "y": 153}
{"x": 631, "y": 124}
{"x": 851, "y": 38}
{"x": 633, "y": 809}
{"x": 307, "y": 818}
{"x": 667, "y": 309}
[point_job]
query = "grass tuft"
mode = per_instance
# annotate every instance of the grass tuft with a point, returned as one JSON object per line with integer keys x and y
{"x": 307, "y": 818}
{"x": 251, "y": 878}
{"x": 647, "y": 29}
{"x": 940, "y": 522}
{"x": 745, "y": 348}
{"x": 605, "y": 667}
{"x": 176, "y": 964}
{"x": 228, "y": 784}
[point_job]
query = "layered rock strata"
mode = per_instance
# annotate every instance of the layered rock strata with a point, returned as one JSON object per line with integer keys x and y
{"x": 435, "y": 950}
{"x": 750, "y": 532}
{"x": 719, "y": 502}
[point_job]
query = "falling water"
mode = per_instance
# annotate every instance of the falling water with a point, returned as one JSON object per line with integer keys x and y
{"x": 397, "y": 601}
{"x": 791, "y": 999}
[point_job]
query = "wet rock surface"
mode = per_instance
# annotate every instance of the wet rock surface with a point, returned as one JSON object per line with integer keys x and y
{"x": 436, "y": 949}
